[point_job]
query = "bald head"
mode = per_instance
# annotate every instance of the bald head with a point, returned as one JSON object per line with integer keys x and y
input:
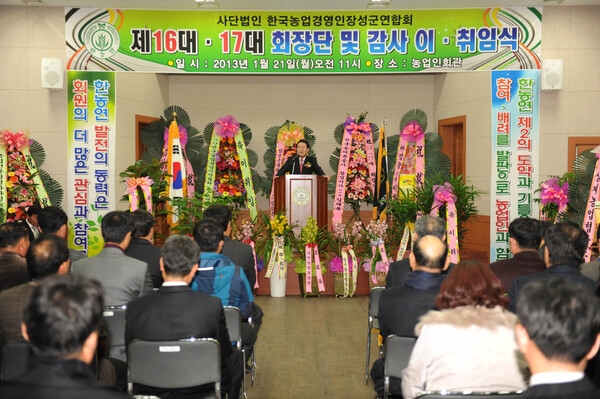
{"x": 430, "y": 254}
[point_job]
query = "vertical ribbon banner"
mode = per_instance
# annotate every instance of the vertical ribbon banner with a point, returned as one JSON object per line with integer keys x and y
{"x": 357, "y": 170}
{"x": 228, "y": 174}
{"x": 277, "y": 258}
{"x": 311, "y": 251}
{"x": 589, "y": 218}
{"x": 144, "y": 184}
{"x": 349, "y": 263}
{"x": 411, "y": 157}
{"x": 176, "y": 168}
{"x": 91, "y": 110}
{"x": 408, "y": 229}
{"x": 3, "y": 179}
{"x": 285, "y": 147}
{"x": 444, "y": 195}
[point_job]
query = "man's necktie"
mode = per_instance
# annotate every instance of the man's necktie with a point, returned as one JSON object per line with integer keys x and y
{"x": 301, "y": 163}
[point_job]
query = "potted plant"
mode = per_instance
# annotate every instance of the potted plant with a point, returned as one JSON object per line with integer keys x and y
{"x": 275, "y": 246}
{"x": 310, "y": 280}
{"x": 342, "y": 242}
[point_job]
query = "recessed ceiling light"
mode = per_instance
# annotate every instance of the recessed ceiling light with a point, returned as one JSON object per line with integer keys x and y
{"x": 34, "y": 2}
{"x": 378, "y": 3}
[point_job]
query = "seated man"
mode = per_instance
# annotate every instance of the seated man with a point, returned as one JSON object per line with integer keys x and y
{"x": 47, "y": 256}
{"x": 122, "y": 277}
{"x": 559, "y": 332}
{"x": 219, "y": 277}
{"x": 53, "y": 220}
{"x": 141, "y": 246}
{"x": 14, "y": 243}
{"x": 525, "y": 237}
{"x": 401, "y": 307}
{"x": 155, "y": 317}
{"x": 60, "y": 323}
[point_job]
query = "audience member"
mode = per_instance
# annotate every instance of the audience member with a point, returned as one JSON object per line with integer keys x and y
{"x": 14, "y": 243}
{"x": 525, "y": 237}
{"x": 47, "y": 256}
{"x": 424, "y": 226}
{"x": 60, "y": 322}
{"x": 141, "y": 246}
{"x": 31, "y": 222}
{"x": 122, "y": 277}
{"x": 219, "y": 277}
{"x": 53, "y": 220}
{"x": 566, "y": 244}
{"x": 469, "y": 343}
{"x": 558, "y": 332}
{"x": 401, "y": 307}
{"x": 176, "y": 312}
{"x": 238, "y": 252}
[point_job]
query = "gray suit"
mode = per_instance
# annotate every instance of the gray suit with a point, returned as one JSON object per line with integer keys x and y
{"x": 122, "y": 277}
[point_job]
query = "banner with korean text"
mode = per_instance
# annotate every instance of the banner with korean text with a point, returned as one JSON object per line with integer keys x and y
{"x": 515, "y": 154}
{"x": 246, "y": 42}
{"x": 91, "y": 156}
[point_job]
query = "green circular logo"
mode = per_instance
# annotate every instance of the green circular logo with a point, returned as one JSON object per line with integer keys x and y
{"x": 102, "y": 40}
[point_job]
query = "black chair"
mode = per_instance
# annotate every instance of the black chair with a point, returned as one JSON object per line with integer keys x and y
{"x": 233, "y": 318}
{"x": 14, "y": 361}
{"x": 470, "y": 395}
{"x": 373, "y": 323}
{"x": 114, "y": 318}
{"x": 397, "y": 354}
{"x": 175, "y": 364}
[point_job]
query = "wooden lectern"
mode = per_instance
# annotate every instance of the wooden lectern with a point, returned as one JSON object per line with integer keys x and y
{"x": 301, "y": 196}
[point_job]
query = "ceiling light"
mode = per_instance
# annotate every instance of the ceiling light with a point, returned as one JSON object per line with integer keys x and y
{"x": 378, "y": 3}
{"x": 207, "y": 3}
{"x": 34, "y": 2}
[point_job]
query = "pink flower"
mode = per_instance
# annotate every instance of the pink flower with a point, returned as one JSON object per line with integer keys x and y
{"x": 226, "y": 127}
{"x": 412, "y": 130}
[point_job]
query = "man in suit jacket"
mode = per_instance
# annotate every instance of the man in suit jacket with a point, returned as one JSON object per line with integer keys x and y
{"x": 53, "y": 220}
{"x": 47, "y": 256}
{"x": 424, "y": 226}
{"x": 559, "y": 332}
{"x": 566, "y": 244}
{"x": 31, "y": 222}
{"x": 525, "y": 236}
{"x": 302, "y": 163}
{"x": 60, "y": 323}
{"x": 238, "y": 252}
{"x": 156, "y": 317}
{"x": 122, "y": 277}
{"x": 401, "y": 307}
{"x": 141, "y": 246}
{"x": 14, "y": 243}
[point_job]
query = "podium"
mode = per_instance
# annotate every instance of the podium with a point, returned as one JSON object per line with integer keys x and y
{"x": 301, "y": 196}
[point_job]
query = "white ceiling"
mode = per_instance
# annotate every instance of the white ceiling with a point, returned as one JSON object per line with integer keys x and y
{"x": 290, "y": 5}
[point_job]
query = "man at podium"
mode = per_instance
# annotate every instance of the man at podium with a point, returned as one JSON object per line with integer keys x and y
{"x": 301, "y": 163}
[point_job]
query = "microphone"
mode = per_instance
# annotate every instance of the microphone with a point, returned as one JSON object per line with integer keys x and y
{"x": 294, "y": 164}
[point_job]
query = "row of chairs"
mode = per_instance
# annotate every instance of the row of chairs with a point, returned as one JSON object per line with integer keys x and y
{"x": 187, "y": 356}
{"x": 397, "y": 351}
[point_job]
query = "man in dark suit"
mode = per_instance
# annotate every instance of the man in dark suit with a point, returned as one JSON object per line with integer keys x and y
{"x": 31, "y": 222}
{"x": 400, "y": 307}
{"x": 566, "y": 244}
{"x": 60, "y": 323}
{"x": 525, "y": 236}
{"x": 141, "y": 246}
{"x": 424, "y": 226}
{"x": 53, "y": 220}
{"x": 47, "y": 256}
{"x": 559, "y": 332}
{"x": 302, "y": 163}
{"x": 122, "y": 277}
{"x": 238, "y": 252}
{"x": 156, "y": 317}
{"x": 14, "y": 243}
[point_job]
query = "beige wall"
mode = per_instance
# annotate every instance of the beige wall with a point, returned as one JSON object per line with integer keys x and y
{"x": 28, "y": 34}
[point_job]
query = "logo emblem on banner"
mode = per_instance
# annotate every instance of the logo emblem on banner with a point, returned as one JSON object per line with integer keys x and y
{"x": 102, "y": 40}
{"x": 301, "y": 196}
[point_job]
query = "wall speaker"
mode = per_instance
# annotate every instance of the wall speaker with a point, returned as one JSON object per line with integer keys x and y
{"x": 552, "y": 74}
{"x": 52, "y": 73}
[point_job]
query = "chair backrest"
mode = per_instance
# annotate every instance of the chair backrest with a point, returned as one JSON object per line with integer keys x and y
{"x": 114, "y": 318}
{"x": 397, "y": 354}
{"x": 470, "y": 395}
{"x": 14, "y": 361}
{"x": 233, "y": 319}
{"x": 175, "y": 364}
{"x": 374, "y": 305}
